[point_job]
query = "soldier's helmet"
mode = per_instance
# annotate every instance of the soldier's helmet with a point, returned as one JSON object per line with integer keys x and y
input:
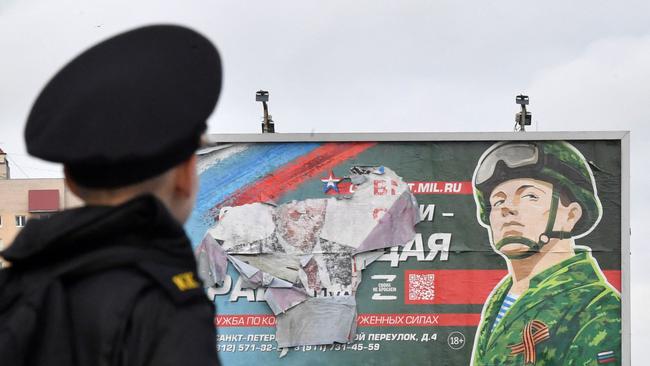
{"x": 556, "y": 162}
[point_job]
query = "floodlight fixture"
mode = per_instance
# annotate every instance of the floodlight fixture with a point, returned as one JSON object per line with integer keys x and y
{"x": 523, "y": 118}
{"x": 522, "y": 99}
{"x": 267, "y": 123}
{"x": 262, "y": 96}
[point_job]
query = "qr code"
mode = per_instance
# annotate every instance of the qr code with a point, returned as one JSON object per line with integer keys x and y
{"x": 420, "y": 286}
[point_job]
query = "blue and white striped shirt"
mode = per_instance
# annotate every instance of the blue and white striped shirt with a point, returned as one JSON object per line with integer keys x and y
{"x": 507, "y": 303}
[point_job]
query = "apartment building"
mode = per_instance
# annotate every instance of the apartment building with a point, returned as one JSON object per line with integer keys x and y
{"x": 25, "y": 199}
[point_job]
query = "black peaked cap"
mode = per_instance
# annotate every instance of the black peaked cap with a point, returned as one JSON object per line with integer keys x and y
{"x": 129, "y": 108}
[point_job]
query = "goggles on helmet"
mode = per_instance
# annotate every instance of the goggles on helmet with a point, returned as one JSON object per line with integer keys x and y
{"x": 515, "y": 155}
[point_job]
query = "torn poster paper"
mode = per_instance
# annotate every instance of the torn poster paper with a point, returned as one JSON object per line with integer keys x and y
{"x": 319, "y": 320}
{"x": 212, "y": 262}
{"x": 282, "y": 299}
{"x": 302, "y": 250}
{"x": 246, "y": 229}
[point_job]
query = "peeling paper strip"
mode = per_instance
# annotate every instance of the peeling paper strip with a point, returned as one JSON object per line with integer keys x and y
{"x": 305, "y": 259}
{"x": 363, "y": 260}
{"x": 320, "y": 320}
{"x": 212, "y": 262}
{"x": 282, "y": 299}
{"x": 396, "y": 226}
{"x": 253, "y": 282}
{"x": 280, "y": 283}
{"x": 256, "y": 277}
{"x": 280, "y": 265}
{"x": 243, "y": 268}
{"x": 322, "y": 273}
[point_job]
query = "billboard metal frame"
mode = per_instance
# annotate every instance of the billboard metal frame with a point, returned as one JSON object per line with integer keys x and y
{"x": 622, "y": 136}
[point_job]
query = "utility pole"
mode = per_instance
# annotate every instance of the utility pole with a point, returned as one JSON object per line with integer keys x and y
{"x": 523, "y": 118}
{"x": 267, "y": 124}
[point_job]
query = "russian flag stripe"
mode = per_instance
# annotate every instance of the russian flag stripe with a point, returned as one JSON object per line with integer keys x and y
{"x": 228, "y": 176}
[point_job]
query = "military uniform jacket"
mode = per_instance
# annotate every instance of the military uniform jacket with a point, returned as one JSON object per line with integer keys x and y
{"x": 568, "y": 316}
{"x": 130, "y": 295}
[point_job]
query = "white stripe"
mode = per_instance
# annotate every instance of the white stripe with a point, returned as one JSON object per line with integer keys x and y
{"x": 606, "y": 353}
{"x": 212, "y": 157}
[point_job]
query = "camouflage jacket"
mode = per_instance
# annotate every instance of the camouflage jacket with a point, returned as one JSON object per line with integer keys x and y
{"x": 569, "y": 315}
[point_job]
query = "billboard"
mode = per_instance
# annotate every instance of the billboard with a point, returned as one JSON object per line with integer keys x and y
{"x": 424, "y": 249}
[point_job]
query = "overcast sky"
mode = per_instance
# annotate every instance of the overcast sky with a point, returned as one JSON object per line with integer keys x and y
{"x": 367, "y": 66}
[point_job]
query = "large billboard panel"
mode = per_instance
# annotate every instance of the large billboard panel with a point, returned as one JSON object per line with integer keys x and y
{"x": 476, "y": 249}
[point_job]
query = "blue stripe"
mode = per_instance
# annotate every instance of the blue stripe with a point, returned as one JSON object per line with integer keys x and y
{"x": 505, "y": 306}
{"x": 238, "y": 171}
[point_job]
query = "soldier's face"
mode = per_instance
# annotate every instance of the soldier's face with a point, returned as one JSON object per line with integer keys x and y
{"x": 520, "y": 208}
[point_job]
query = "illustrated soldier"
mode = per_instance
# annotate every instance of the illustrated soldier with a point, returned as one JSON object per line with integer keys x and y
{"x": 554, "y": 307}
{"x": 115, "y": 282}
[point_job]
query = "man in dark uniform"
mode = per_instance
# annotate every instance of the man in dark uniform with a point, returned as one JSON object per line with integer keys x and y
{"x": 114, "y": 282}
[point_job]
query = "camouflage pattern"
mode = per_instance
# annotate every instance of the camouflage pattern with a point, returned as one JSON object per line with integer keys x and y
{"x": 581, "y": 310}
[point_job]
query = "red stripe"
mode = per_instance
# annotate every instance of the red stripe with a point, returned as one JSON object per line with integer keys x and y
{"x": 607, "y": 360}
{"x": 418, "y": 188}
{"x": 441, "y": 187}
{"x": 363, "y": 320}
{"x": 315, "y": 164}
{"x": 419, "y": 320}
{"x": 452, "y": 287}
{"x": 244, "y": 320}
{"x": 455, "y": 286}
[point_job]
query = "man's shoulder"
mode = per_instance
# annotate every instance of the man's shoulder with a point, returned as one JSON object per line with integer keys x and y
{"x": 174, "y": 284}
{"x": 593, "y": 295}
{"x": 581, "y": 303}
{"x": 128, "y": 303}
